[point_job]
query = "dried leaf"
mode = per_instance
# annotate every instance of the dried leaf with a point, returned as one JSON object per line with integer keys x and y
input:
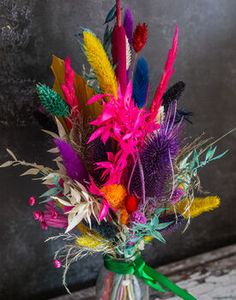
{"x": 53, "y": 150}
{"x": 53, "y": 134}
{"x": 77, "y": 218}
{"x": 61, "y": 131}
{"x": 31, "y": 171}
{"x": 7, "y": 164}
{"x": 63, "y": 202}
{"x": 11, "y": 153}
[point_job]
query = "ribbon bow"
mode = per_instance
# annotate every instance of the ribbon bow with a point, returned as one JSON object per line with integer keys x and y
{"x": 151, "y": 277}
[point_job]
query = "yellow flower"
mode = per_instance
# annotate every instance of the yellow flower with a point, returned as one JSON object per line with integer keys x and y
{"x": 198, "y": 206}
{"x": 148, "y": 238}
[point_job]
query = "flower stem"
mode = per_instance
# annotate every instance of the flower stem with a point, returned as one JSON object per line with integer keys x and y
{"x": 141, "y": 178}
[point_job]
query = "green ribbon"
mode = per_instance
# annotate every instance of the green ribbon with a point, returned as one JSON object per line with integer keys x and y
{"x": 151, "y": 277}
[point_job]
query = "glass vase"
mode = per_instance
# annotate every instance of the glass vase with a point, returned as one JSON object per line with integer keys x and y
{"x": 112, "y": 286}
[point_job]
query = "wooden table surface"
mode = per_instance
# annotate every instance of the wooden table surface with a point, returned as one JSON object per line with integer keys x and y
{"x": 211, "y": 275}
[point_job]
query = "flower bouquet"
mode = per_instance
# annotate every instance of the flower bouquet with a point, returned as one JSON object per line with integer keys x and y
{"x": 123, "y": 173}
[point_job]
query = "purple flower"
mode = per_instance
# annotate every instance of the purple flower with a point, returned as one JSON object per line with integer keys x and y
{"x": 157, "y": 157}
{"x": 138, "y": 217}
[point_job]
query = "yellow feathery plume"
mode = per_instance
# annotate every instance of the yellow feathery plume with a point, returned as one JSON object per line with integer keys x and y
{"x": 92, "y": 241}
{"x": 100, "y": 63}
{"x": 198, "y": 206}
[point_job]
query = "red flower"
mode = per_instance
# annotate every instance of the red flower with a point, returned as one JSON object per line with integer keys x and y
{"x": 140, "y": 37}
{"x": 131, "y": 204}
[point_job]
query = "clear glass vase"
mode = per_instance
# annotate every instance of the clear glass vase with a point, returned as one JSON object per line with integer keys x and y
{"x": 112, "y": 286}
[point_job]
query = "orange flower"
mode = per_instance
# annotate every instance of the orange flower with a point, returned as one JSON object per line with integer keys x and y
{"x": 115, "y": 194}
{"x": 124, "y": 216}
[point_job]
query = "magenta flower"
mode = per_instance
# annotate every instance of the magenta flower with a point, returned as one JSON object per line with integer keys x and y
{"x": 32, "y": 201}
{"x": 51, "y": 217}
{"x": 105, "y": 205}
{"x": 122, "y": 121}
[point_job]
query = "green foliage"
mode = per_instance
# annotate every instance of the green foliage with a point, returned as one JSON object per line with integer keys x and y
{"x": 190, "y": 165}
{"x": 151, "y": 228}
{"x": 107, "y": 38}
{"x": 52, "y": 191}
{"x": 197, "y": 164}
{"x": 111, "y": 14}
{"x": 51, "y": 101}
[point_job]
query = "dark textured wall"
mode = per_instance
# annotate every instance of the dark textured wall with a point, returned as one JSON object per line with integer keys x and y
{"x": 33, "y": 30}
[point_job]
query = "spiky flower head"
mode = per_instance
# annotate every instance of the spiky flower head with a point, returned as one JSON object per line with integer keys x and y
{"x": 159, "y": 151}
{"x": 51, "y": 101}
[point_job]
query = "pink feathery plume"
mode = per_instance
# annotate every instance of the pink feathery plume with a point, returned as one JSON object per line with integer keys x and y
{"x": 168, "y": 71}
{"x": 119, "y": 49}
{"x": 68, "y": 86}
{"x": 128, "y": 24}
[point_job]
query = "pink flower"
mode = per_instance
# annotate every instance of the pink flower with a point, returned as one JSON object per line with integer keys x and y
{"x": 50, "y": 217}
{"x": 125, "y": 123}
{"x": 105, "y": 205}
{"x": 31, "y": 201}
{"x": 57, "y": 263}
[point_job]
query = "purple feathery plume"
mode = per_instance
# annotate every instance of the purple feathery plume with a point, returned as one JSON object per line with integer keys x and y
{"x": 157, "y": 158}
{"x": 172, "y": 227}
{"x": 74, "y": 166}
{"x": 128, "y": 24}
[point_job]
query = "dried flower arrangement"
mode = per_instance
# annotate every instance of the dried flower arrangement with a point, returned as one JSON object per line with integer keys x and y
{"x": 123, "y": 174}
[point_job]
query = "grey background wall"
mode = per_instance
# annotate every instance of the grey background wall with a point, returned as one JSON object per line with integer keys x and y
{"x": 31, "y": 31}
